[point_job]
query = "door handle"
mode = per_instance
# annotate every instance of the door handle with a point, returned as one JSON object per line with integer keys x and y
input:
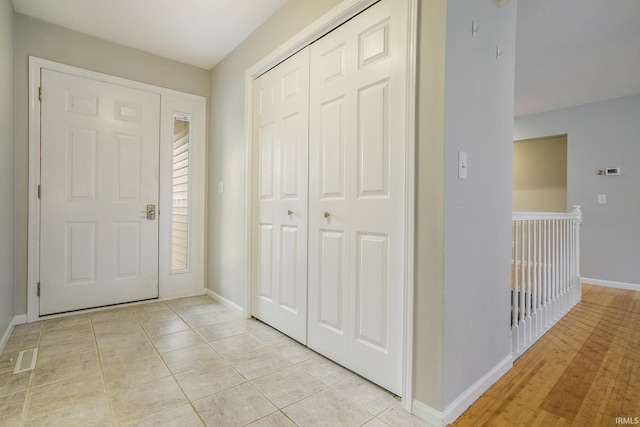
{"x": 289, "y": 212}
{"x": 150, "y": 212}
{"x": 327, "y": 214}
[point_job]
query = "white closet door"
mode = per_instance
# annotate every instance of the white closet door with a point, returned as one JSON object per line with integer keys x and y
{"x": 280, "y": 147}
{"x": 99, "y": 171}
{"x": 357, "y": 194}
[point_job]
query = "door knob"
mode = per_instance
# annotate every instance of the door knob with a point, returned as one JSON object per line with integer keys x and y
{"x": 327, "y": 214}
{"x": 289, "y": 212}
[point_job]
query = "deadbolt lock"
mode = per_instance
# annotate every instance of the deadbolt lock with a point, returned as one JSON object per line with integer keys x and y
{"x": 151, "y": 212}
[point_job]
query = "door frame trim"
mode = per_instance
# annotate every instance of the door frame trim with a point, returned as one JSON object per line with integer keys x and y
{"x": 33, "y": 245}
{"x": 328, "y": 22}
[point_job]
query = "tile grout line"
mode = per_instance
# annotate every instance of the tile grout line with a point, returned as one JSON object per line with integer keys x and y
{"x": 171, "y": 373}
{"x": 27, "y": 397}
{"x": 326, "y": 386}
{"x": 227, "y": 362}
{"x": 331, "y": 387}
{"x": 103, "y": 368}
{"x": 232, "y": 367}
{"x": 375, "y": 416}
{"x": 102, "y": 372}
{"x": 267, "y": 343}
{"x": 25, "y": 417}
{"x": 250, "y": 382}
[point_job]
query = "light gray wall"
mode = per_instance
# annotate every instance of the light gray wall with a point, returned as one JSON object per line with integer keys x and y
{"x": 48, "y": 41}
{"x": 6, "y": 164}
{"x": 599, "y": 135}
{"x": 479, "y": 93}
{"x": 226, "y": 211}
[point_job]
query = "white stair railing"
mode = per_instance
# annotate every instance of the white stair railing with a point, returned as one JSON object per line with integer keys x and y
{"x": 545, "y": 273}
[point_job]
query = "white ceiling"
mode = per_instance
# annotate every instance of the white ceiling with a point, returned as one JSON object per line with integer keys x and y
{"x": 196, "y": 32}
{"x": 573, "y": 52}
{"x": 568, "y": 52}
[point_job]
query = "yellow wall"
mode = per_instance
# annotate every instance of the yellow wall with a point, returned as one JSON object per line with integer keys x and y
{"x": 429, "y": 238}
{"x": 540, "y": 175}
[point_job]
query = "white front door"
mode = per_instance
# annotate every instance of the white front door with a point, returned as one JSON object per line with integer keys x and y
{"x": 99, "y": 172}
{"x": 280, "y": 144}
{"x": 357, "y": 194}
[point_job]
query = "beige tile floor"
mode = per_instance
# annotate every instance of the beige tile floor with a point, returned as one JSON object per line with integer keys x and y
{"x": 184, "y": 362}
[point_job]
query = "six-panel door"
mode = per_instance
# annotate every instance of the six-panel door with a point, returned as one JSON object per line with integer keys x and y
{"x": 357, "y": 196}
{"x": 99, "y": 171}
{"x": 280, "y": 135}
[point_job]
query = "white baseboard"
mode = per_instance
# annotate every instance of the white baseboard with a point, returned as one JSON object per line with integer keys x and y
{"x": 227, "y": 303}
{"x": 466, "y": 399}
{"x": 174, "y": 297}
{"x": 17, "y": 320}
{"x": 6, "y": 335}
{"x": 427, "y": 413}
{"x": 611, "y": 284}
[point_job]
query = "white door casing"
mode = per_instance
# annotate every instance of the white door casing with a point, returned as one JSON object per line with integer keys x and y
{"x": 357, "y": 195}
{"x": 99, "y": 171}
{"x": 280, "y": 135}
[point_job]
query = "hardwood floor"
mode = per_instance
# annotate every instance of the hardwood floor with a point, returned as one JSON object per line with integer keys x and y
{"x": 584, "y": 372}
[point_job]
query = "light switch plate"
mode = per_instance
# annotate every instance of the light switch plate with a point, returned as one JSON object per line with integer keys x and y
{"x": 602, "y": 199}
{"x": 500, "y": 3}
{"x": 221, "y": 187}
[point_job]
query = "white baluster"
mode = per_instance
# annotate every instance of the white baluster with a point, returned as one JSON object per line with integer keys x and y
{"x": 545, "y": 274}
{"x": 528, "y": 288}
{"x": 521, "y": 305}
{"x": 554, "y": 268}
{"x": 534, "y": 294}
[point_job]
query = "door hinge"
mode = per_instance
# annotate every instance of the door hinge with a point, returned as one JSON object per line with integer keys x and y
{"x": 38, "y": 289}
{"x": 40, "y": 93}
{"x": 39, "y": 192}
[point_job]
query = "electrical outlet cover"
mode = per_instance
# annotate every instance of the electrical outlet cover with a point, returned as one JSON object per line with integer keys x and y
{"x": 500, "y": 3}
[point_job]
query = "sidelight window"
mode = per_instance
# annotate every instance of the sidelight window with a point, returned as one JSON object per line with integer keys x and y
{"x": 181, "y": 192}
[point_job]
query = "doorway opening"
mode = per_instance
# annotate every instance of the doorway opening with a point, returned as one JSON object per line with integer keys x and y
{"x": 90, "y": 247}
{"x": 540, "y": 174}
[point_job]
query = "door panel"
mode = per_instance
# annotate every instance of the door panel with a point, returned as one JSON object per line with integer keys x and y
{"x": 280, "y": 141}
{"x": 267, "y": 146}
{"x": 81, "y": 151}
{"x": 357, "y": 194}
{"x": 266, "y": 262}
{"x": 291, "y": 157}
{"x": 332, "y": 150}
{"x": 127, "y": 249}
{"x": 99, "y": 170}
{"x": 373, "y": 140}
{"x": 289, "y": 261}
{"x": 129, "y": 168}
{"x": 81, "y": 252}
{"x": 331, "y": 286}
{"x": 372, "y": 290}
